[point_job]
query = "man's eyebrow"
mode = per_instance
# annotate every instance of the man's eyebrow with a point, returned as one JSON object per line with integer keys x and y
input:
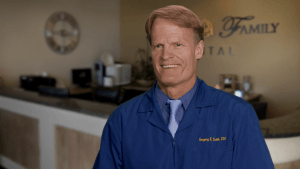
{"x": 155, "y": 44}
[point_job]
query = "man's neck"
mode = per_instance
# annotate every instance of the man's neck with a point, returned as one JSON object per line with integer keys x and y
{"x": 175, "y": 92}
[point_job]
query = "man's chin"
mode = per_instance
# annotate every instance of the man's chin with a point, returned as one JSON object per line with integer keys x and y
{"x": 168, "y": 81}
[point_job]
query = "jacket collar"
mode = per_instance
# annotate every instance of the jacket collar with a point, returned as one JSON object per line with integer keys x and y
{"x": 204, "y": 97}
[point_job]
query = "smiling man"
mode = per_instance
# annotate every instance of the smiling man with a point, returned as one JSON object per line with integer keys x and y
{"x": 175, "y": 51}
{"x": 181, "y": 123}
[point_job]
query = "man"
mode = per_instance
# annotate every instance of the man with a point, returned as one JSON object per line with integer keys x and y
{"x": 181, "y": 122}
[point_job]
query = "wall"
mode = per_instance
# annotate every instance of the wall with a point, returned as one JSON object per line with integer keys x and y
{"x": 23, "y": 48}
{"x": 272, "y": 60}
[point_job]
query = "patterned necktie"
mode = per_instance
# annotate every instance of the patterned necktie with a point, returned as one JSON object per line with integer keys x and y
{"x": 174, "y": 106}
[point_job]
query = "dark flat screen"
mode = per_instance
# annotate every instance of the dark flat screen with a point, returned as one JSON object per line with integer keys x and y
{"x": 82, "y": 77}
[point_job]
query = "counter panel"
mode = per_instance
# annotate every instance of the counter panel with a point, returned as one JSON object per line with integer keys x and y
{"x": 75, "y": 149}
{"x": 19, "y": 139}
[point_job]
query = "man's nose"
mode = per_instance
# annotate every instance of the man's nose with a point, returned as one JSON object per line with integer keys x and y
{"x": 167, "y": 53}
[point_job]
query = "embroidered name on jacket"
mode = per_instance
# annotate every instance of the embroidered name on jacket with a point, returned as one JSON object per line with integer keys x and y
{"x": 212, "y": 139}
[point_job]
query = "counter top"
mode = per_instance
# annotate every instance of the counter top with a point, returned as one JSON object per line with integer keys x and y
{"x": 285, "y": 126}
{"x": 81, "y": 106}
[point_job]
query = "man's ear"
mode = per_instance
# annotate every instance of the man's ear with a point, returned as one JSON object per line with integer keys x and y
{"x": 199, "y": 49}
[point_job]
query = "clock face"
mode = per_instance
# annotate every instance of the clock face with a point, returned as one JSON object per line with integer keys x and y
{"x": 62, "y": 32}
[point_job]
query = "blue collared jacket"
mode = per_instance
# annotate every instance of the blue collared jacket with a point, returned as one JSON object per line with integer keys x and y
{"x": 218, "y": 131}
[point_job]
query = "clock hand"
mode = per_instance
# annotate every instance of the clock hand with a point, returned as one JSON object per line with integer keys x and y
{"x": 69, "y": 38}
{"x": 63, "y": 24}
{"x": 69, "y": 34}
{"x": 56, "y": 32}
{"x": 62, "y": 41}
{"x": 62, "y": 32}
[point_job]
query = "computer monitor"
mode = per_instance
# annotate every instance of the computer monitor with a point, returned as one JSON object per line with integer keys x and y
{"x": 82, "y": 77}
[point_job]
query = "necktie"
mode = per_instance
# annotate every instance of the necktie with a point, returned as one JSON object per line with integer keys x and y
{"x": 174, "y": 106}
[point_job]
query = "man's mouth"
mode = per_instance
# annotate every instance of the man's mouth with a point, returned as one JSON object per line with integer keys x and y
{"x": 169, "y": 66}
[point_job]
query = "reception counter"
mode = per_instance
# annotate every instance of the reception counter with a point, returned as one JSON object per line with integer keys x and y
{"x": 282, "y": 135}
{"x": 47, "y": 132}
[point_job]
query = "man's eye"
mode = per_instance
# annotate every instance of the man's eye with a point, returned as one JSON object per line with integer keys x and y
{"x": 178, "y": 44}
{"x": 158, "y": 46}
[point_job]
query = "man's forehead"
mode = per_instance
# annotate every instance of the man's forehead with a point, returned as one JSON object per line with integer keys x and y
{"x": 171, "y": 31}
{"x": 162, "y": 20}
{"x": 175, "y": 37}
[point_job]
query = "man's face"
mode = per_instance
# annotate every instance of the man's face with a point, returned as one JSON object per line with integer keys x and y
{"x": 174, "y": 53}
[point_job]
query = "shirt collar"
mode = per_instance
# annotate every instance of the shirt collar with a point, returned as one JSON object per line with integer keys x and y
{"x": 204, "y": 97}
{"x": 162, "y": 98}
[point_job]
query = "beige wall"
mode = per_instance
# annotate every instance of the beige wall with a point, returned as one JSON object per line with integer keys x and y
{"x": 23, "y": 48}
{"x": 272, "y": 60}
{"x": 118, "y": 27}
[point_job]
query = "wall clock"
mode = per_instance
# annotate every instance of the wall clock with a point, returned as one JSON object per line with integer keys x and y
{"x": 62, "y": 32}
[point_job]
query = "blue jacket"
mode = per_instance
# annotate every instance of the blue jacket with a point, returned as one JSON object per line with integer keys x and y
{"x": 218, "y": 131}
